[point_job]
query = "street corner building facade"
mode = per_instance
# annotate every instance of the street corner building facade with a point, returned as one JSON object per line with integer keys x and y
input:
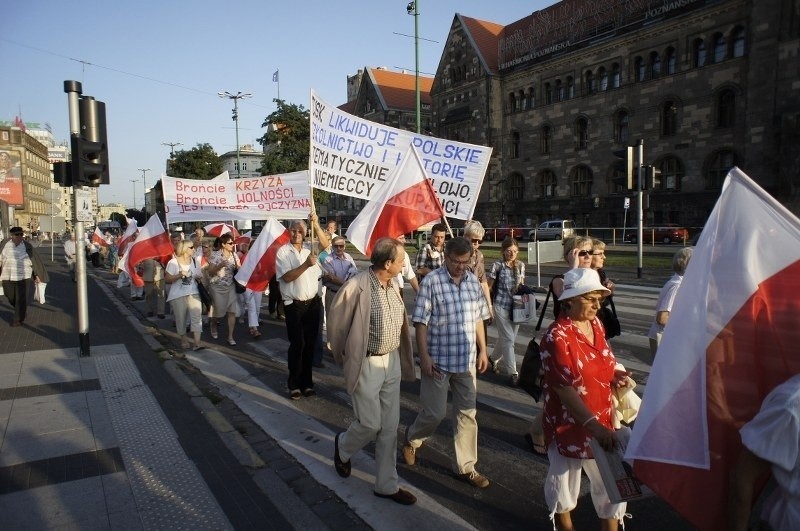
{"x": 24, "y": 178}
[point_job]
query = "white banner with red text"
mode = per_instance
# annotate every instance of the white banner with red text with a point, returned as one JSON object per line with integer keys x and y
{"x": 355, "y": 157}
{"x": 285, "y": 195}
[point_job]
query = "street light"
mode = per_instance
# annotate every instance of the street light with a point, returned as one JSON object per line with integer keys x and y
{"x": 171, "y": 148}
{"x": 134, "y": 181}
{"x": 413, "y": 9}
{"x": 236, "y": 97}
{"x": 144, "y": 186}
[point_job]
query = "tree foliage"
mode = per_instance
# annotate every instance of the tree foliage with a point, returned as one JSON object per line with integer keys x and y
{"x": 287, "y": 142}
{"x": 200, "y": 162}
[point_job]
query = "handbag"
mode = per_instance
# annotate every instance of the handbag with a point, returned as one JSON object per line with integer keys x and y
{"x": 531, "y": 371}
{"x": 608, "y": 316}
{"x": 205, "y": 296}
{"x": 239, "y": 288}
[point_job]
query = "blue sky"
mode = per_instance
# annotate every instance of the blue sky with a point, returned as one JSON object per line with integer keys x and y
{"x": 158, "y": 65}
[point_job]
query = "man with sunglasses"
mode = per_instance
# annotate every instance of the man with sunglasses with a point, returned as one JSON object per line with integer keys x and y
{"x": 451, "y": 342}
{"x": 338, "y": 267}
{"x": 19, "y": 262}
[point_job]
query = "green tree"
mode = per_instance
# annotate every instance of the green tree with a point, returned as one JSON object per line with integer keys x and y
{"x": 287, "y": 142}
{"x": 200, "y": 162}
{"x": 119, "y": 218}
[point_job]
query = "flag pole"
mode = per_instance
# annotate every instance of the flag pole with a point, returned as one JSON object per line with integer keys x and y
{"x": 446, "y": 224}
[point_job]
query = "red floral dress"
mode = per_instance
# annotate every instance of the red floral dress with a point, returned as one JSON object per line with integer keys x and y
{"x": 570, "y": 360}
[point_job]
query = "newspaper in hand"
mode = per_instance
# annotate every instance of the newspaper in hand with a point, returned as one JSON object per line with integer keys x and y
{"x": 618, "y": 478}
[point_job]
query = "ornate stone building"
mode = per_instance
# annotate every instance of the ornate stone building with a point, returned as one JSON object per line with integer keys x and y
{"x": 706, "y": 84}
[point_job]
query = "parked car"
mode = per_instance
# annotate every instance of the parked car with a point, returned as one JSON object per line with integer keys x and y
{"x": 556, "y": 229}
{"x": 667, "y": 233}
{"x": 500, "y": 233}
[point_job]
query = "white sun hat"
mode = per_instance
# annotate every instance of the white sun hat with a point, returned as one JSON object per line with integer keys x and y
{"x": 580, "y": 281}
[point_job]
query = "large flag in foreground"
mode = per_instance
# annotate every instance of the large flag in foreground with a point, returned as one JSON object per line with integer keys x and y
{"x": 404, "y": 204}
{"x": 732, "y": 336}
{"x": 259, "y": 264}
{"x": 152, "y": 242}
{"x": 130, "y": 230}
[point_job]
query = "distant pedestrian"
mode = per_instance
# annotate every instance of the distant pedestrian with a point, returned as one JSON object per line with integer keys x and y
{"x": 19, "y": 263}
{"x": 154, "y": 288}
{"x": 337, "y": 269}
{"x": 431, "y": 256}
{"x": 505, "y": 279}
{"x": 406, "y": 274}
{"x": 370, "y": 336}
{"x": 69, "y": 254}
{"x": 451, "y": 343}
{"x": 680, "y": 261}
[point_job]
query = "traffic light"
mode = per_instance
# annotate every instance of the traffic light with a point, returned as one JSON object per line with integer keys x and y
{"x": 623, "y": 168}
{"x": 90, "y": 147}
{"x": 651, "y": 173}
{"x": 62, "y": 173}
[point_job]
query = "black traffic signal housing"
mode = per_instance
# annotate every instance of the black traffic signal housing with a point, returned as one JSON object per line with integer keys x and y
{"x": 62, "y": 173}
{"x": 651, "y": 173}
{"x": 90, "y": 147}
{"x": 624, "y": 165}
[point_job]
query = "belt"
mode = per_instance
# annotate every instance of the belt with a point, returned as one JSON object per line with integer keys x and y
{"x": 370, "y": 353}
{"x": 307, "y": 301}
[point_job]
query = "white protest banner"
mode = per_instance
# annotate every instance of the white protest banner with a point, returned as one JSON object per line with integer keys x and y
{"x": 355, "y": 157}
{"x": 282, "y": 196}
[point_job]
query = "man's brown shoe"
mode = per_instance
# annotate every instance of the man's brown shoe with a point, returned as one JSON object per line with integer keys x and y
{"x": 342, "y": 468}
{"x": 409, "y": 454}
{"x": 475, "y": 479}
{"x": 402, "y": 496}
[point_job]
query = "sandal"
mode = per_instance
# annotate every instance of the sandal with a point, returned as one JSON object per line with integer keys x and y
{"x": 254, "y": 332}
{"x": 537, "y": 448}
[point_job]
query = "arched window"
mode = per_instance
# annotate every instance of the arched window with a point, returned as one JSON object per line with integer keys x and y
{"x": 512, "y": 102}
{"x": 581, "y": 181}
{"x": 581, "y": 133}
{"x": 514, "y": 145}
{"x": 546, "y": 139}
{"x": 602, "y": 75}
{"x": 670, "y": 60}
{"x": 638, "y": 67}
{"x": 591, "y": 88}
{"x": 616, "y": 76}
{"x": 737, "y": 37}
{"x": 570, "y": 87}
{"x": 621, "y": 126}
{"x": 547, "y": 183}
{"x": 699, "y": 53}
{"x": 548, "y": 94}
{"x": 726, "y": 108}
{"x": 655, "y": 65}
{"x": 669, "y": 118}
{"x": 559, "y": 90}
{"x": 531, "y": 98}
{"x": 523, "y": 101}
{"x": 672, "y": 173}
{"x": 720, "y": 164}
{"x": 516, "y": 187}
{"x": 720, "y": 48}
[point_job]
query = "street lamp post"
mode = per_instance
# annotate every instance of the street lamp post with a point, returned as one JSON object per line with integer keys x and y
{"x": 171, "y": 148}
{"x": 413, "y": 9}
{"x": 134, "y": 181}
{"x": 144, "y": 186}
{"x": 236, "y": 97}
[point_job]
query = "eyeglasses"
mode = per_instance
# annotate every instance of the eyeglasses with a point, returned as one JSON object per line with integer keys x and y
{"x": 339, "y": 246}
{"x": 593, "y": 300}
{"x": 464, "y": 263}
{"x": 16, "y": 234}
{"x": 599, "y": 253}
{"x": 475, "y": 240}
{"x": 585, "y": 253}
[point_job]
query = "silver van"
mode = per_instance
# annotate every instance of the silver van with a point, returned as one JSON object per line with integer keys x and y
{"x": 557, "y": 229}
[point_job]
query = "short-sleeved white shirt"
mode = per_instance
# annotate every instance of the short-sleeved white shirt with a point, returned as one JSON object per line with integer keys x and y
{"x": 306, "y": 285}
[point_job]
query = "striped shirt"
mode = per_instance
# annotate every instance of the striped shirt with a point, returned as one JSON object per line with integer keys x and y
{"x": 451, "y": 312}
{"x": 430, "y": 257}
{"x": 507, "y": 280}
{"x": 386, "y": 314}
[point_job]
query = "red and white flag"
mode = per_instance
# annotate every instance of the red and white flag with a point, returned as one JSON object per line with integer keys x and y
{"x": 127, "y": 236}
{"x": 152, "y": 242}
{"x": 404, "y": 204}
{"x": 259, "y": 264}
{"x": 99, "y": 238}
{"x": 732, "y": 336}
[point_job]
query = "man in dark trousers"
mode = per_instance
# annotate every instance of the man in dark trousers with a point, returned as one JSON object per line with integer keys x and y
{"x": 19, "y": 263}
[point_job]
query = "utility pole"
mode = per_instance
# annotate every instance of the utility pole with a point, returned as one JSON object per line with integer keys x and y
{"x": 171, "y": 148}
{"x": 144, "y": 186}
{"x": 413, "y": 9}
{"x": 236, "y": 97}
{"x": 639, "y": 205}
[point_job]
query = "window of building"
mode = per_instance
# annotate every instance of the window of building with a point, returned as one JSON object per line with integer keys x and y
{"x": 655, "y": 65}
{"x": 699, "y": 53}
{"x": 548, "y": 94}
{"x": 737, "y": 37}
{"x": 726, "y": 108}
{"x": 547, "y": 183}
{"x": 602, "y": 75}
{"x": 720, "y": 48}
{"x": 581, "y": 133}
{"x": 671, "y": 174}
{"x": 670, "y": 60}
{"x": 621, "y": 126}
{"x": 669, "y": 118}
{"x": 721, "y": 163}
{"x": 581, "y": 181}
{"x": 244, "y": 166}
{"x": 516, "y": 187}
{"x": 638, "y": 66}
{"x": 514, "y": 145}
{"x": 546, "y": 139}
{"x": 559, "y": 90}
{"x": 591, "y": 88}
{"x": 570, "y": 87}
{"x": 616, "y": 76}
{"x": 531, "y": 98}
{"x": 523, "y": 101}
{"x": 512, "y": 102}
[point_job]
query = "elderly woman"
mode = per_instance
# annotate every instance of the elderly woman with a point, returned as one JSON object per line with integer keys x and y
{"x": 680, "y": 262}
{"x": 183, "y": 273}
{"x": 579, "y": 378}
{"x": 474, "y": 232}
{"x": 505, "y": 278}
{"x": 222, "y": 266}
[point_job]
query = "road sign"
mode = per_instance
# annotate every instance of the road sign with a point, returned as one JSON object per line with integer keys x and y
{"x": 83, "y": 205}
{"x": 54, "y": 210}
{"x": 54, "y": 196}
{"x": 627, "y": 203}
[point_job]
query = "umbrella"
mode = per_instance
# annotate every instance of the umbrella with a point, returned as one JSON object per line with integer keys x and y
{"x": 245, "y": 238}
{"x": 218, "y": 229}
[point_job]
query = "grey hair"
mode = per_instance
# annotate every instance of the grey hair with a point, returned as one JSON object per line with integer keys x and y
{"x": 681, "y": 260}
{"x": 474, "y": 228}
{"x": 296, "y": 222}
{"x": 385, "y": 250}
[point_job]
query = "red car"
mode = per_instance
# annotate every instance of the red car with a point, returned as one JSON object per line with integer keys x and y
{"x": 500, "y": 233}
{"x": 667, "y": 233}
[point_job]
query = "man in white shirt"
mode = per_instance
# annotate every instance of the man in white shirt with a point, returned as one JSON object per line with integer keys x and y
{"x": 69, "y": 254}
{"x": 19, "y": 262}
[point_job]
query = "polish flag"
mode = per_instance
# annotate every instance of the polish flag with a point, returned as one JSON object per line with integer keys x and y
{"x": 732, "y": 336}
{"x": 152, "y": 242}
{"x": 259, "y": 264}
{"x": 405, "y": 203}
{"x": 99, "y": 238}
{"x": 130, "y": 231}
